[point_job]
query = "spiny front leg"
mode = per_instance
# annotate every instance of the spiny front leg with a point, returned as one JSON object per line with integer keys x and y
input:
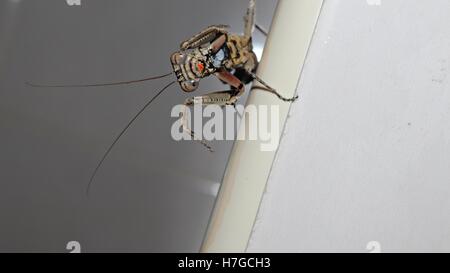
{"x": 187, "y": 129}
{"x": 205, "y": 36}
{"x": 221, "y": 98}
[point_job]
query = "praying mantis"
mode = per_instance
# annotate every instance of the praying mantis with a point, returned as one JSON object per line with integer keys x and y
{"x": 215, "y": 51}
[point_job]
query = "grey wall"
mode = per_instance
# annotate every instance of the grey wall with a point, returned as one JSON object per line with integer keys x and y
{"x": 366, "y": 152}
{"x": 152, "y": 194}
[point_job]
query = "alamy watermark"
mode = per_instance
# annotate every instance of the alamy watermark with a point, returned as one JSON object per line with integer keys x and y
{"x": 73, "y": 2}
{"x": 373, "y": 2}
{"x": 261, "y": 123}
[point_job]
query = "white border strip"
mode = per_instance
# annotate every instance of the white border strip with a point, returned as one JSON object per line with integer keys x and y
{"x": 248, "y": 169}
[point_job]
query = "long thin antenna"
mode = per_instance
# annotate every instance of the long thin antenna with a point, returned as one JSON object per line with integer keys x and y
{"x": 122, "y": 133}
{"x": 101, "y": 84}
{"x": 261, "y": 29}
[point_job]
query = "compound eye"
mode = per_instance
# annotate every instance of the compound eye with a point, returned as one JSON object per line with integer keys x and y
{"x": 200, "y": 67}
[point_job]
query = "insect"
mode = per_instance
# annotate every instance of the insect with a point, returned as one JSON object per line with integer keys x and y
{"x": 212, "y": 52}
{"x": 227, "y": 56}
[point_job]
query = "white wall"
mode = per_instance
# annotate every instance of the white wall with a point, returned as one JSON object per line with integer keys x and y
{"x": 366, "y": 151}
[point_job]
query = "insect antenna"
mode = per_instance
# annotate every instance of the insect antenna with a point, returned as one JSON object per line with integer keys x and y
{"x": 105, "y": 155}
{"x": 101, "y": 84}
{"x": 261, "y": 29}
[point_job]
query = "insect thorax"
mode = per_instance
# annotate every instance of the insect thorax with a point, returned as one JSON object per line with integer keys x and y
{"x": 241, "y": 52}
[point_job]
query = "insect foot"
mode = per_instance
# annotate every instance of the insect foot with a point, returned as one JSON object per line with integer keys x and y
{"x": 288, "y": 99}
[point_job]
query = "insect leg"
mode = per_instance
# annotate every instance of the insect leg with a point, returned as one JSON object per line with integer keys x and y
{"x": 218, "y": 43}
{"x": 268, "y": 88}
{"x": 187, "y": 129}
{"x": 249, "y": 19}
{"x": 226, "y": 77}
{"x": 204, "y": 37}
{"x": 220, "y": 98}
